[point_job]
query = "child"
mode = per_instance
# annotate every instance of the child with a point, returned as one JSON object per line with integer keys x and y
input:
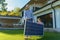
{"x": 39, "y": 21}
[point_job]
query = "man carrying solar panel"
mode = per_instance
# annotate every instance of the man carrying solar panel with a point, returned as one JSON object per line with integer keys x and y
{"x": 28, "y": 15}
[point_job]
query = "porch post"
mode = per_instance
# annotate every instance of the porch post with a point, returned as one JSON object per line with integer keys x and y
{"x": 57, "y": 18}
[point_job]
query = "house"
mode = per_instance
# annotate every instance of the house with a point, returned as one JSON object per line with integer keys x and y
{"x": 7, "y": 21}
{"x": 48, "y": 11}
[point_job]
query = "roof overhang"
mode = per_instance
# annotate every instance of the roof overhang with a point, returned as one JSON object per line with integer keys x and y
{"x": 36, "y": 2}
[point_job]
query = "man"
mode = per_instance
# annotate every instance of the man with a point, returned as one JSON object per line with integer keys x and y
{"x": 28, "y": 16}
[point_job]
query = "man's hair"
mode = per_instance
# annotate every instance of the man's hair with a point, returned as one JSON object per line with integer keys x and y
{"x": 27, "y": 6}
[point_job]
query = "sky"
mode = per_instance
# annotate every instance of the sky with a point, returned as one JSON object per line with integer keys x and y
{"x": 11, "y": 4}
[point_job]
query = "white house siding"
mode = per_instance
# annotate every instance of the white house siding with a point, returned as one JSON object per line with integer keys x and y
{"x": 47, "y": 10}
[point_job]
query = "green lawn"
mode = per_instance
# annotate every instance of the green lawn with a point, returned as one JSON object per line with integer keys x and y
{"x": 11, "y": 35}
{"x": 18, "y": 35}
{"x": 51, "y": 36}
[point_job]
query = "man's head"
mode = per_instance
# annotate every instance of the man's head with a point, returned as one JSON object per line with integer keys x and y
{"x": 27, "y": 7}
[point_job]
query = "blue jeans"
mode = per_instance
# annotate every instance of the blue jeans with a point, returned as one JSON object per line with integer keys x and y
{"x": 28, "y": 20}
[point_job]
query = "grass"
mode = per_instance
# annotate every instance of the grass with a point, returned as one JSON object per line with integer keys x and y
{"x": 11, "y": 35}
{"x": 18, "y": 35}
{"x": 48, "y": 36}
{"x": 51, "y": 36}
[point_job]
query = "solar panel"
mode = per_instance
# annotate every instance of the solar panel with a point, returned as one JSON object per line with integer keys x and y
{"x": 34, "y": 29}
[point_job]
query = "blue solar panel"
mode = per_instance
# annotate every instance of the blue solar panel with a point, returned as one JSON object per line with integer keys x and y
{"x": 33, "y": 29}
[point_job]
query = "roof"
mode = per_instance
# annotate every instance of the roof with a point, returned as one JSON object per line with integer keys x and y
{"x": 34, "y": 1}
{"x": 37, "y": 1}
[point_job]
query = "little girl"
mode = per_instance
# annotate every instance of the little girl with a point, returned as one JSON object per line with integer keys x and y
{"x": 39, "y": 21}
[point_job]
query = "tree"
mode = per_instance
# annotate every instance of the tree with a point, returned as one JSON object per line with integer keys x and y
{"x": 3, "y": 5}
{"x": 17, "y": 11}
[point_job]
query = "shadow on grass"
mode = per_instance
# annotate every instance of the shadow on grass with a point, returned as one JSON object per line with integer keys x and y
{"x": 12, "y": 32}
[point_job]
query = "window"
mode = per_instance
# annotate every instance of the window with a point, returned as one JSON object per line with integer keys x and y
{"x": 47, "y": 20}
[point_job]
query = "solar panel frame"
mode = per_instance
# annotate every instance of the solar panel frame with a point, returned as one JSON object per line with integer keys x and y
{"x": 27, "y": 28}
